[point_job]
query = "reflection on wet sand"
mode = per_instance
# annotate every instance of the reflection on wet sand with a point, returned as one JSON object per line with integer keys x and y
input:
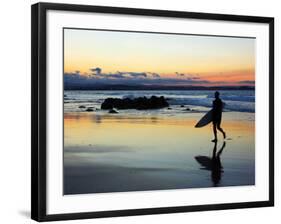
{"x": 213, "y": 163}
{"x": 115, "y": 153}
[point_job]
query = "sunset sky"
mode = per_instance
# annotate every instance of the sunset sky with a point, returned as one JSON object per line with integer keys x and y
{"x": 168, "y": 59}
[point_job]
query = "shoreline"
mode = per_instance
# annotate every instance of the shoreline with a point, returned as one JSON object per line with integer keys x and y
{"x": 154, "y": 114}
{"x": 178, "y": 101}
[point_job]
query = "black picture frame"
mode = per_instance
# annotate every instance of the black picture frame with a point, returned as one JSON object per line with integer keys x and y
{"x": 38, "y": 108}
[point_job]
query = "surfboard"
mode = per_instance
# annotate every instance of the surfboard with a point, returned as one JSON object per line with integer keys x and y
{"x": 206, "y": 119}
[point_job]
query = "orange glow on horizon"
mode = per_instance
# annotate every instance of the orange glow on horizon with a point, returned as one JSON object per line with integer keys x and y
{"x": 214, "y": 59}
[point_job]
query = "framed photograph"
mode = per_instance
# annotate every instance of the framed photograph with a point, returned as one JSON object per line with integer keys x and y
{"x": 140, "y": 111}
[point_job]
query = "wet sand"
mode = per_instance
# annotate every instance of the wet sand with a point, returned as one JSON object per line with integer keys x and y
{"x": 119, "y": 152}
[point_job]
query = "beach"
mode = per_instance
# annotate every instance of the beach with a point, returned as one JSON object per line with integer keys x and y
{"x": 131, "y": 103}
{"x": 154, "y": 150}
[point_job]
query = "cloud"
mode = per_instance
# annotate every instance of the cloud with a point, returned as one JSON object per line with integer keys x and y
{"x": 194, "y": 78}
{"x": 248, "y": 82}
{"x": 121, "y": 75}
{"x": 134, "y": 74}
{"x": 175, "y": 81}
{"x": 126, "y": 78}
{"x": 187, "y": 76}
{"x": 118, "y": 75}
{"x": 155, "y": 75}
{"x": 72, "y": 74}
{"x": 113, "y": 75}
{"x": 97, "y": 70}
{"x": 180, "y": 74}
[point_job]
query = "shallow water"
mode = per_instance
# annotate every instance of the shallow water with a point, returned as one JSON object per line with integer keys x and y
{"x": 124, "y": 152}
{"x": 200, "y": 100}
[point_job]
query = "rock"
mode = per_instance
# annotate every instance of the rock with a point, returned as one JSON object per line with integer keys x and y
{"x": 82, "y": 107}
{"x": 182, "y": 105}
{"x": 112, "y": 111}
{"x": 188, "y": 109}
{"x": 140, "y": 103}
{"x": 169, "y": 108}
{"x": 89, "y": 109}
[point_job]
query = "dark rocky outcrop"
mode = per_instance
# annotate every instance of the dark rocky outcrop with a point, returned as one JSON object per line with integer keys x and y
{"x": 90, "y": 109}
{"x": 82, "y": 107}
{"x": 140, "y": 103}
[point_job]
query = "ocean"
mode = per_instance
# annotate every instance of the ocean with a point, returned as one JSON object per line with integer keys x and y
{"x": 196, "y": 100}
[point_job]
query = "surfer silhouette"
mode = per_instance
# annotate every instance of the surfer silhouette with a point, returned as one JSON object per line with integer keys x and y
{"x": 217, "y": 115}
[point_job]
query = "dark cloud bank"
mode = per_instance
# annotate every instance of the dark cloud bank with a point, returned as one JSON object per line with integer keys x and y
{"x": 120, "y": 80}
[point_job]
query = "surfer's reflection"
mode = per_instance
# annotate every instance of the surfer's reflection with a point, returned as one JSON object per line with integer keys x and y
{"x": 213, "y": 164}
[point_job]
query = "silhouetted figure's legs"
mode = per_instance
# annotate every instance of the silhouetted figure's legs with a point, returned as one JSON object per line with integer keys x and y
{"x": 221, "y": 130}
{"x": 217, "y": 125}
{"x": 215, "y": 133}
